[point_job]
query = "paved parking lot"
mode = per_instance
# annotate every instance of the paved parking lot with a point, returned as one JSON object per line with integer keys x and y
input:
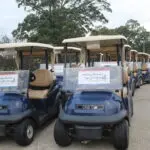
{"x": 139, "y": 131}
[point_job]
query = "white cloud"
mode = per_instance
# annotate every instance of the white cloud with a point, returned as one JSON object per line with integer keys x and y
{"x": 124, "y": 10}
{"x": 10, "y": 16}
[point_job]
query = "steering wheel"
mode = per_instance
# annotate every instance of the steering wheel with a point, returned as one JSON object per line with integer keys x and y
{"x": 32, "y": 77}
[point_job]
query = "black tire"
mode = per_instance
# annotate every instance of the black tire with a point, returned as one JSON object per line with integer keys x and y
{"x": 132, "y": 107}
{"x": 133, "y": 89}
{"x": 138, "y": 86}
{"x": 121, "y": 135}
{"x": 24, "y": 133}
{"x": 60, "y": 135}
{"x": 140, "y": 82}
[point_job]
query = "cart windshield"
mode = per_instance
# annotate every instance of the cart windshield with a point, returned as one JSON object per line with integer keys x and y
{"x": 139, "y": 65}
{"x": 130, "y": 64}
{"x": 14, "y": 81}
{"x": 91, "y": 79}
{"x": 58, "y": 68}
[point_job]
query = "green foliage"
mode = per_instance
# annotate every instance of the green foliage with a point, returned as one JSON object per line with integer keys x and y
{"x": 4, "y": 39}
{"x": 136, "y": 34}
{"x": 50, "y": 21}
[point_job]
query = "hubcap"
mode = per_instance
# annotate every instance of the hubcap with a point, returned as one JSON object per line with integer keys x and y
{"x": 30, "y": 132}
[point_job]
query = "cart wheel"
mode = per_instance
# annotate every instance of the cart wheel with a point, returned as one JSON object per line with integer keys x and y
{"x": 24, "y": 133}
{"x": 133, "y": 88}
{"x": 121, "y": 136}
{"x": 132, "y": 107}
{"x": 141, "y": 82}
{"x": 60, "y": 135}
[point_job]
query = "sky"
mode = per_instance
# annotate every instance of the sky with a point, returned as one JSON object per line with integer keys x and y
{"x": 122, "y": 10}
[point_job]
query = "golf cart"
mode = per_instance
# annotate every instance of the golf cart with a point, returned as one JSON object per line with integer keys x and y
{"x": 95, "y": 101}
{"x": 129, "y": 65}
{"x": 73, "y": 60}
{"x": 144, "y": 58}
{"x": 109, "y": 59}
{"x": 136, "y": 72}
{"x": 28, "y": 97}
{"x": 58, "y": 60}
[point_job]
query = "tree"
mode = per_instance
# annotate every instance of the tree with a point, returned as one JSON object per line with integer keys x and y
{"x": 50, "y": 21}
{"x": 136, "y": 34}
{"x": 7, "y": 57}
{"x": 5, "y": 39}
{"x": 104, "y": 31}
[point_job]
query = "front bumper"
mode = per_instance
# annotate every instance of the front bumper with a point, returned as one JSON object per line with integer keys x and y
{"x": 89, "y": 133}
{"x": 12, "y": 119}
{"x": 92, "y": 120}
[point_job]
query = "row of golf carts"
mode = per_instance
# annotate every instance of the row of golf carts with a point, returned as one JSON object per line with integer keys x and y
{"x": 89, "y": 89}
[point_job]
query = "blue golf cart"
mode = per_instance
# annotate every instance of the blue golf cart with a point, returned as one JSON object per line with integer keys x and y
{"x": 57, "y": 58}
{"x": 129, "y": 64}
{"x": 28, "y": 97}
{"x": 95, "y": 101}
{"x": 110, "y": 60}
{"x": 135, "y": 71}
{"x": 144, "y": 58}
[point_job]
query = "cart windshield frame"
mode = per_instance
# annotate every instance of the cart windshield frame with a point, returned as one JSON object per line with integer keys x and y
{"x": 14, "y": 81}
{"x": 93, "y": 78}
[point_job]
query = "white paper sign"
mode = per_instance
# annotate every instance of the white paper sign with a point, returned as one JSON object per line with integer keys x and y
{"x": 8, "y": 80}
{"x": 94, "y": 77}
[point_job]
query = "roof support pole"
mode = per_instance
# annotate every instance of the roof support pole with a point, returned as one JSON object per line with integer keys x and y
{"x": 65, "y": 49}
{"x": 46, "y": 58}
{"x": 30, "y": 61}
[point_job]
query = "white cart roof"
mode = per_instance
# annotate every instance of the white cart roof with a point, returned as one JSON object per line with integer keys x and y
{"x": 127, "y": 46}
{"x": 103, "y": 39}
{"x": 60, "y": 49}
{"x": 134, "y": 51}
{"x": 25, "y": 46}
{"x": 144, "y": 54}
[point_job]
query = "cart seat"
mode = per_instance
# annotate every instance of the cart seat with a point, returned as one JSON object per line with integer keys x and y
{"x": 135, "y": 74}
{"x": 135, "y": 67}
{"x": 144, "y": 67}
{"x": 125, "y": 92}
{"x": 129, "y": 78}
{"x": 129, "y": 70}
{"x": 40, "y": 88}
{"x": 125, "y": 76}
{"x": 37, "y": 94}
